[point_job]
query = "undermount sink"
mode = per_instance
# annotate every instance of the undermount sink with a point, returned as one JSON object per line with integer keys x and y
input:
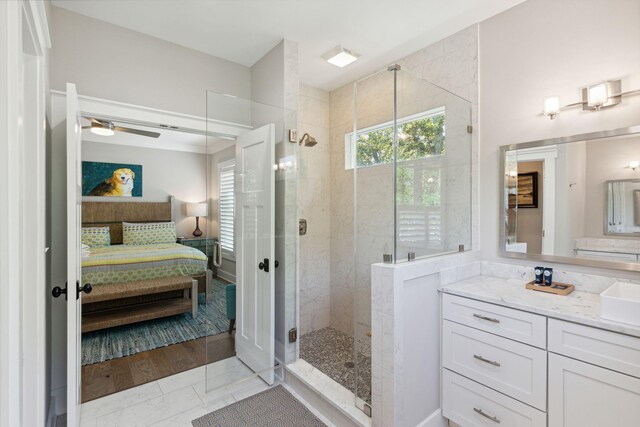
{"x": 621, "y": 303}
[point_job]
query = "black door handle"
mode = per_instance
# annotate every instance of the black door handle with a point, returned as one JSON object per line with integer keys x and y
{"x": 264, "y": 265}
{"x": 87, "y": 288}
{"x": 57, "y": 291}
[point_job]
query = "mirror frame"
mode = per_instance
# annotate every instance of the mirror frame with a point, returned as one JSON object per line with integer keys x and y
{"x": 502, "y": 251}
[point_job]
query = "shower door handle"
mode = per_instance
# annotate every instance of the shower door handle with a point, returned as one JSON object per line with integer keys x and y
{"x": 264, "y": 265}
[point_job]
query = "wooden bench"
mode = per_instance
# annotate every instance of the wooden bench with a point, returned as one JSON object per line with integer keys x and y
{"x": 133, "y": 313}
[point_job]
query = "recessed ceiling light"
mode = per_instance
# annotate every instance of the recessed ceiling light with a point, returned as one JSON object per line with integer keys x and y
{"x": 340, "y": 57}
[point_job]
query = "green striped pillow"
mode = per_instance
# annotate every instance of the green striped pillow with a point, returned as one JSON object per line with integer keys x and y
{"x": 148, "y": 233}
{"x": 96, "y": 236}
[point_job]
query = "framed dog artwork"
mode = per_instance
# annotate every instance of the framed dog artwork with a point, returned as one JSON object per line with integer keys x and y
{"x": 111, "y": 179}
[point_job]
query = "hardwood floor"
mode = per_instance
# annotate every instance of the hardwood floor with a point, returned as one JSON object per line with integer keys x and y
{"x": 112, "y": 376}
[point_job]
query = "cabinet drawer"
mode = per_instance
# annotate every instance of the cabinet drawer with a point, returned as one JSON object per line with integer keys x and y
{"x": 510, "y": 367}
{"x": 604, "y": 348}
{"x": 583, "y": 395}
{"x": 517, "y": 325}
{"x": 471, "y": 404}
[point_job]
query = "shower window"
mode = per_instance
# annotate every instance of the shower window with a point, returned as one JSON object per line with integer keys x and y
{"x": 420, "y": 136}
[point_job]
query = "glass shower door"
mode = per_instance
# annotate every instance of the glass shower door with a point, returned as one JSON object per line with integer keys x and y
{"x": 251, "y": 169}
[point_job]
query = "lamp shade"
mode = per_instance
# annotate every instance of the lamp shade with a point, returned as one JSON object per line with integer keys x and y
{"x": 197, "y": 209}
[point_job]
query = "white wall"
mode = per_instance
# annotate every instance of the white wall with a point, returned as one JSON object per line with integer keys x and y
{"x": 541, "y": 48}
{"x": 164, "y": 173}
{"x": 571, "y": 194}
{"x": 140, "y": 70}
{"x": 111, "y": 62}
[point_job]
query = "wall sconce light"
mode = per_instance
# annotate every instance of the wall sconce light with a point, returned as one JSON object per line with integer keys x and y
{"x": 551, "y": 106}
{"x": 633, "y": 165}
{"x": 594, "y": 98}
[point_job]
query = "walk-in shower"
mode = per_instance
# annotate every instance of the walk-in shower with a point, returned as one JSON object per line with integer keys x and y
{"x": 400, "y": 189}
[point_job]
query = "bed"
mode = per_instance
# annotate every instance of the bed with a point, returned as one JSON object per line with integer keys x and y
{"x": 138, "y": 282}
{"x": 121, "y": 263}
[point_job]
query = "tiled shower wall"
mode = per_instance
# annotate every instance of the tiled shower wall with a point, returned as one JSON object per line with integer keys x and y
{"x": 314, "y": 205}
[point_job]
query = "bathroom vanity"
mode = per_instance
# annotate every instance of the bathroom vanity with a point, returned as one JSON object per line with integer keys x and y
{"x": 515, "y": 357}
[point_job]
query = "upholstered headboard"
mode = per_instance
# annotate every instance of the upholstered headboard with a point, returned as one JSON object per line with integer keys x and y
{"x": 113, "y": 214}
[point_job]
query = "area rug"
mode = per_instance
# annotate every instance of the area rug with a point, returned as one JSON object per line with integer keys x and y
{"x": 274, "y": 407}
{"x": 126, "y": 340}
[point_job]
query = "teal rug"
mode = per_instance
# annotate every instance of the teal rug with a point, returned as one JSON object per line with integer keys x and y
{"x": 126, "y": 340}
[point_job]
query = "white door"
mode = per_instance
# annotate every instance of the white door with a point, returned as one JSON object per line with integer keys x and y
{"x": 585, "y": 395}
{"x": 74, "y": 206}
{"x": 255, "y": 244}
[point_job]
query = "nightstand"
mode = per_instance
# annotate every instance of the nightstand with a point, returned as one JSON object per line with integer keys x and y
{"x": 203, "y": 244}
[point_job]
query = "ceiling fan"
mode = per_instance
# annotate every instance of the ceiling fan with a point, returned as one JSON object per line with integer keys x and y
{"x": 107, "y": 128}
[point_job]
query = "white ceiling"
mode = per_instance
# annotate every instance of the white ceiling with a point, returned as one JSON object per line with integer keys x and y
{"x": 242, "y": 31}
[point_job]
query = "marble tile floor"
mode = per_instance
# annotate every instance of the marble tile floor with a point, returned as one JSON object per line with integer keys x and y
{"x": 177, "y": 400}
{"x": 331, "y": 351}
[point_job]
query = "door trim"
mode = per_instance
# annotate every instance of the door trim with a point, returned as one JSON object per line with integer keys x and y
{"x": 23, "y": 368}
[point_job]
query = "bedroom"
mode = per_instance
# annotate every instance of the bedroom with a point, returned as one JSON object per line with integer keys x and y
{"x": 136, "y": 326}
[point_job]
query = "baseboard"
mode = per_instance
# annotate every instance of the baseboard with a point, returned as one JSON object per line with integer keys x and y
{"x": 51, "y": 413}
{"x": 434, "y": 420}
{"x": 231, "y": 278}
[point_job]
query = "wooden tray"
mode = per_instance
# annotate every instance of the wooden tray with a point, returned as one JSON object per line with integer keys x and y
{"x": 555, "y": 288}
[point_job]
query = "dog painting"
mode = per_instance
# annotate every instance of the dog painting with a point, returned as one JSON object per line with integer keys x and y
{"x": 111, "y": 179}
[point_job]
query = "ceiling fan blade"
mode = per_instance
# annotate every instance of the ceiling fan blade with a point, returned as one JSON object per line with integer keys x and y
{"x": 96, "y": 121}
{"x": 137, "y": 132}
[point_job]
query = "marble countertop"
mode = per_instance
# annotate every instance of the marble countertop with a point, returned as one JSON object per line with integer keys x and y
{"x": 578, "y": 306}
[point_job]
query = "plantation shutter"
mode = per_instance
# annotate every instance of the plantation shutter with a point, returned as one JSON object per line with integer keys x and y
{"x": 226, "y": 205}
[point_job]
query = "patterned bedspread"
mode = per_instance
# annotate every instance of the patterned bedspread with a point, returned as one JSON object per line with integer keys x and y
{"x": 122, "y": 263}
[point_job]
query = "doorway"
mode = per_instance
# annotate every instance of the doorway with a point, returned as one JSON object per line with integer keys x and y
{"x": 240, "y": 151}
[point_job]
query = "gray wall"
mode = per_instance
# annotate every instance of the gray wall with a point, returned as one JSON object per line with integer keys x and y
{"x": 140, "y": 70}
{"x": 517, "y": 72}
{"x": 111, "y": 62}
{"x": 165, "y": 173}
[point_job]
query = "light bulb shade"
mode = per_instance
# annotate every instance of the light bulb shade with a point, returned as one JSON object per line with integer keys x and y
{"x": 597, "y": 95}
{"x": 551, "y": 106}
{"x": 634, "y": 164}
{"x": 197, "y": 209}
{"x": 102, "y": 131}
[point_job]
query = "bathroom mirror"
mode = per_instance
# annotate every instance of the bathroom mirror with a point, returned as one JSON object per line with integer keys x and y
{"x": 574, "y": 200}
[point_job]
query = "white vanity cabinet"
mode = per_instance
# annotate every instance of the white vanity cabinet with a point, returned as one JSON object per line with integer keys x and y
{"x": 508, "y": 367}
{"x": 584, "y": 395}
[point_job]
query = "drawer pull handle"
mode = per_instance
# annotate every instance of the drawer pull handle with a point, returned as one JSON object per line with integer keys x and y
{"x": 489, "y": 319}
{"x": 484, "y": 414}
{"x": 490, "y": 362}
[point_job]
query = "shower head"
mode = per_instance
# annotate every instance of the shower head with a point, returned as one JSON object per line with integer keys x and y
{"x": 308, "y": 140}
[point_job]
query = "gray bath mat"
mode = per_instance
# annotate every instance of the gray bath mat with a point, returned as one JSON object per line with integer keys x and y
{"x": 274, "y": 407}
